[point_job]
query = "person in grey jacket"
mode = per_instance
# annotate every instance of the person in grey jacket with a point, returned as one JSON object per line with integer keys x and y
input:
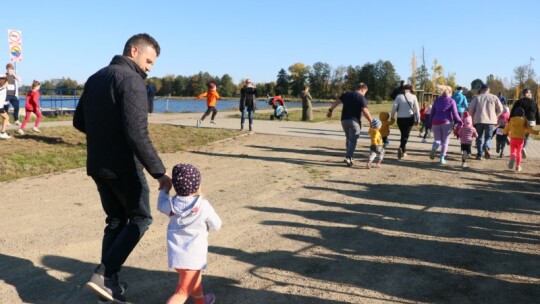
{"x": 485, "y": 110}
{"x": 112, "y": 112}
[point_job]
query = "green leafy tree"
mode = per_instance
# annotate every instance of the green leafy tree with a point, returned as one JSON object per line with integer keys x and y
{"x": 352, "y": 78}
{"x": 337, "y": 81}
{"x": 282, "y": 83}
{"x": 179, "y": 86}
{"x": 166, "y": 85}
{"x": 495, "y": 84}
{"x": 228, "y": 88}
{"x": 319, "y": 79}
{"x": 299, "y": 75}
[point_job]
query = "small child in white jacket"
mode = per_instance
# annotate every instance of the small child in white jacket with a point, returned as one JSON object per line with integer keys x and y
{"x": 191, "y": 218}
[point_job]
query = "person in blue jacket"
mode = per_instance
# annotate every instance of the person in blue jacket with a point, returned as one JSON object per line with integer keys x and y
{"x": 461, "y": 101}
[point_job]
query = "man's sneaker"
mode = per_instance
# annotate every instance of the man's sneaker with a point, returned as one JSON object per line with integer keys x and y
{"x": 199, "y": 122}
{"x": 241, "y": 127}
{"x": 501, "y": 155}
{"x": 106, "y": 288}
{"x": 35, "y": 129}
{"x": 432, "y": 154}
{"x": 18, "y": 123}
{"x": 498, "y": 149}
{"x": 399, "y": 153}
{"x": 212, "y": 122}
{"x": 4, "y": 136}
{"x": 518, "y": 169}
{"x": 349, "y": 162}
{"x": 20, "y": 131}
{"x": 511, "y": 163}
{"x": 250, "y": 128}
{"x": 478, "y": 157}
{"x": 123, "y": 286}
{"x": 486, "y": 153}
{"x": 524, "y": 153}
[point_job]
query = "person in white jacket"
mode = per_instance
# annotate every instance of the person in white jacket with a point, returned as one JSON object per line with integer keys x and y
{"x": 191, "y": 218}
{"x": 406, "y": 109}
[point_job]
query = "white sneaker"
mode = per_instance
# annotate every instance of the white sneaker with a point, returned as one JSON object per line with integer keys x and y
{"x": 9, "y": 124}
{"x": 212, "y": 122}
{"x": 20, "y": 131}
{"x": 18, "y": 123}
{"x": 4, "y": 136}
{"x": 518, "y": 169}
{"x": 199, "y": 122}
{"x": 36, "y": 130}
{"x": 524, "y": 153}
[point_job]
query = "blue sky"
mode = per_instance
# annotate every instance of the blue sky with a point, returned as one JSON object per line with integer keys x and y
{"x": 255, "y": 39}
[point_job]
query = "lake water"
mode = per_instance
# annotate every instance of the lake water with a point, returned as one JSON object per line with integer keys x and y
{"x": 172, "y": 105}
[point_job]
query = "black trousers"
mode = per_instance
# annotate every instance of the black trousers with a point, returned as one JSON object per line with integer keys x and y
{"x": 126, "y": 201}
{"x": 405, "y": 126}
{"x": 208, "y": 111}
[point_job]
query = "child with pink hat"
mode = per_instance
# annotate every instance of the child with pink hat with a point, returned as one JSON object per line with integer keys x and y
{"x": 190, "y": 219}
{"x": 466, "y": 134}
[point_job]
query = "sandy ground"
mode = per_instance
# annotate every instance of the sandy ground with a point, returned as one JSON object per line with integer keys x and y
{"x": 299, "y": 227}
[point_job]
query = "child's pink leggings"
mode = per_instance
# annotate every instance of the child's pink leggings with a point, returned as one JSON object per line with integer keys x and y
{"x": 189, "y": 284}
{"x": 27, "y": 118}
{"x": 516, "y": 145}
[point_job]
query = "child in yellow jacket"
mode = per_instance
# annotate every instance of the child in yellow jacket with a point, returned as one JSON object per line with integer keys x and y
{"x": 516, "y": 129}
{"x": 376, "y": 148}
{"x": 211, "y": 97}
{"x": 385, "y": 127}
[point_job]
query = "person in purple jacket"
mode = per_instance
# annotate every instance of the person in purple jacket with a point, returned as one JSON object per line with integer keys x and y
{"x": 444, "y": 115}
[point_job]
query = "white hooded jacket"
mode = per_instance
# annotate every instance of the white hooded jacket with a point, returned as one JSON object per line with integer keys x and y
{"x": 191, "y": 218}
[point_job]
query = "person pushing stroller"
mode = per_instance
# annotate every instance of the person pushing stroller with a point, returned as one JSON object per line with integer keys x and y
{"x": 278, "y": 104}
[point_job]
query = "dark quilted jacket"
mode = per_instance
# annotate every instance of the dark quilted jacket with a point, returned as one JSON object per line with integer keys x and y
{"x": 112, "y": 111}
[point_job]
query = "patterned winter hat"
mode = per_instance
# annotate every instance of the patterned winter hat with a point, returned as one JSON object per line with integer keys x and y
{"x": 186, "y": 179}
{"x": 376, "y": 123}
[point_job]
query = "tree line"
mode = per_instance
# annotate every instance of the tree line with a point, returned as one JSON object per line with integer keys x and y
{"x": 327, "y": 82}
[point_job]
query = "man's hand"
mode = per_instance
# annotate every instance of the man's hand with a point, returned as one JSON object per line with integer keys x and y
{"x": 165, "y": 183}
{"x": 329, "y": 113}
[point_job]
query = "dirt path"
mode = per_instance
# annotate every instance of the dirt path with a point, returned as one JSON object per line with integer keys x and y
{"x": 299, "y": 227}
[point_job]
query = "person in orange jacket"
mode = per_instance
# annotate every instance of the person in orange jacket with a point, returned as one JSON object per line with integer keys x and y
{"x": 211, "y": 97}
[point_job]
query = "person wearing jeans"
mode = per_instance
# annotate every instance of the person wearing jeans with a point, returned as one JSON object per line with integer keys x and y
{"x": 12, "y": 92}
{"x": 485, "y": 110}
{"x": 113, "y": 113}
{"x": 248, "y": 103}
{"x": 406, "y": 109}
{"x": 354, "y": 104}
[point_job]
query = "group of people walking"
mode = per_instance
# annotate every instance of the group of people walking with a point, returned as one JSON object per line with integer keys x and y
{"x": 9, "y": 94}
{"x": 475, "y": 123}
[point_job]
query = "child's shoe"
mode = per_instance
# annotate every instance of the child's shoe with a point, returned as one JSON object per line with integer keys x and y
{"x": 35, "y": 129}
{"x": 20, "y": 131}
{"x": 511, "y": 163}
{"x": 399, "y": 153}
{"x": 433, "y": 152}
{"x": 199, "y": 122}
{"x": 378, "y": 165}
{"x": 518, "y": 169}
{"x": 209, "y": 298}
{"x": 442, "y": 160}
{"x": 4, "y": 136}
{"x": 464, "y": 156}
{"x": 368, "y": 165}
{"x": 424, "y": 140}
{"x": 501, "y": 154}
{"x": 463, "y": 165}
{"x": 523, "y": 153}
{"x": 18, "y": 123}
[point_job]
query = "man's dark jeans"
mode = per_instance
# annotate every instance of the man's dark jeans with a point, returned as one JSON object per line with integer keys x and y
{"x": 14, "y": 101}
{"x": 126, "y": 201}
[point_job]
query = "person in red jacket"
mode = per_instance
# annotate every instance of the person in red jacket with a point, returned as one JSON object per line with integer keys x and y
{"x": 211, "y": 97}
{"x": 32, "y": 106}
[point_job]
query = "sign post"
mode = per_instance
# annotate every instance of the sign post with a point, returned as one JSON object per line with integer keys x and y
{"x": 15, "y": 45}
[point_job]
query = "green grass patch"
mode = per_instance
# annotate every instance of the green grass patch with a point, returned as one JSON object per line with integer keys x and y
{"x": 58, "y": 149}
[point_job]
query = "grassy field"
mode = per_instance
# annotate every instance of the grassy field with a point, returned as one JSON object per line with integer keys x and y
{"x": 62, "y": 148}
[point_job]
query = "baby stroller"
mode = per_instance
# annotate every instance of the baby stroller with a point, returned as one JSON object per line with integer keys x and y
{"x": 278, "y": 104}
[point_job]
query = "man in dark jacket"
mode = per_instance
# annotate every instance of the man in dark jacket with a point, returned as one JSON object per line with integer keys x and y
{"x": 112, "y": 112}
{"x": 151, "y": 91}
{"x": 248, "y": 103}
